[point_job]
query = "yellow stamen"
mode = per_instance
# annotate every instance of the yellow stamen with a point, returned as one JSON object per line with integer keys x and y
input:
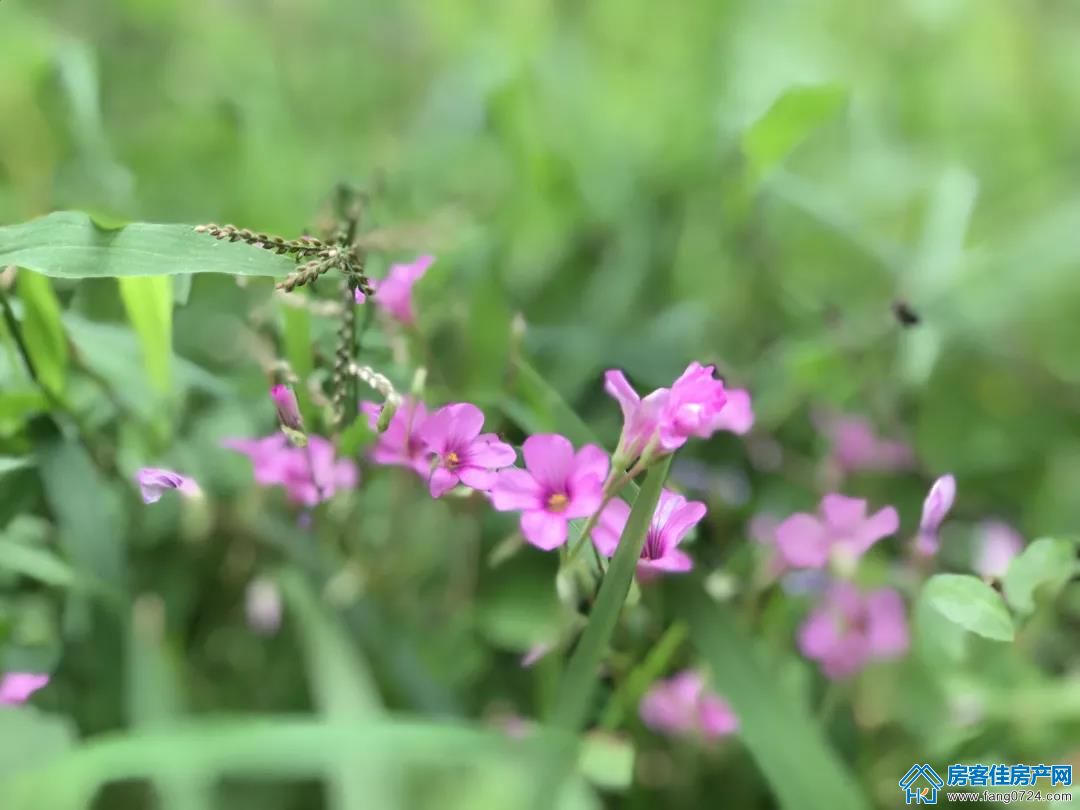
{"x": 557, "y": 502}
{"x": 452, "y": 460}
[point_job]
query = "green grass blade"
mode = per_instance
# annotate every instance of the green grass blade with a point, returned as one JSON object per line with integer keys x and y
{"x": 268, "y": 747}
{"x": 149, "y": 302}
{"x": 344, "y": 690}
{"x": 576, "y": 688}
{"x": 42, "y": 331}
{"x": 69, "y": 244}
{"x": 790, "y": 749}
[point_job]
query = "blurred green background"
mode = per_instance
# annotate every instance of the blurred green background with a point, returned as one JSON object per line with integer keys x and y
{"x": 605, "y": 184}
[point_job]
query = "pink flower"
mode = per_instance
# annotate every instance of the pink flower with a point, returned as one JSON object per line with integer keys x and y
{"x": 153, "y": 481}
{"x": 16, "y": 687}
{"x": 848, "y": 629}
{"x": 666, "y": 418}
{"x": 400, "y": 443}
{"x": 936, "y": 506}
{"x": 309, "y": 474}
{"x": 288, "y": 410}
{"x": 997, "y": 544}
{"x": 673, "y": 519}
{"x": 394, "y": 293}
{"x": 462, "y": 453}
{"x": 262, "y": 606}
{"x": 555, "y": 487}
{"x": 737, "y": 416}
{"x": 855, "y": 446}
{"x": 683, "y": 706}
{"x": 693, "y": 407}
{"x": 843, "y": 532}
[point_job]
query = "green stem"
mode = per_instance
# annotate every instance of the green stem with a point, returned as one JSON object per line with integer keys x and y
{"x": 576, "y": 687}
{"x": 612, "y": 487}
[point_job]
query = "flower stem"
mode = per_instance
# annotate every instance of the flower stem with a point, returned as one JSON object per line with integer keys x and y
{"x": 612, "y": 487}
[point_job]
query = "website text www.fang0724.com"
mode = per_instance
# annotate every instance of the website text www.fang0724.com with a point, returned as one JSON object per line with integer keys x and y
{"x": 1008, "y": 797}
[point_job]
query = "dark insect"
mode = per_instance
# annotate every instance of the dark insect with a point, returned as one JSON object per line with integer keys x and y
{"x": 907, "y": 316}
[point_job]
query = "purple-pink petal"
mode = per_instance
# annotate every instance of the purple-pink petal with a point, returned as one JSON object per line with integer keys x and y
{"x": 17, "y": 687}
{"x": 517, "y": 490}
{"x": 394, "y": 293}
{"x": 938, "y": 503}
{"x": 549, "y": 457}
{"x": 737, "y": 414}
{"x": 684, "y": 706}
{"x": 153, "y": 481}
{"x": 288, "y": 410}
{"x": 848, "y": 629}
{"x": 996, "y": 546}
{"x": 803, "y": 541}
{"x": 544, "y": 530}
{"x": 441, "y": 482}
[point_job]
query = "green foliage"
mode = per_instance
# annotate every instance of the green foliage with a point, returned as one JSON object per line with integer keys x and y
{"x": 756, "y": 185}
{"x": 803, "y": 772}
{"x": 970, "y": 603}
{"x": 789, "y": 121}
{"x": 43, "y": 334}
{"x": 1044, "y": 566}
{"x": 72, "y": 245}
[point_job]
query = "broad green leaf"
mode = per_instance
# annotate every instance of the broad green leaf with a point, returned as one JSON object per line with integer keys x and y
{"x": 69, "y": 244}
{"x": 576, "y": 688}
{"x": 30, "y": 738}
{"x": 344, "y": 689}
{"x": 267, "y": 747}
{"x": 148, "y": 301}
{"x": 791, "y": 750}
{"x": 42, "y": 331}
{"x": 1047, "y": 563}
{"x": 788, "y": 122}
{"x": 971, "y": 604}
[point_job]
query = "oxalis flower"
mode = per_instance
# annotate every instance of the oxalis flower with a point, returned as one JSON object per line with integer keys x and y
{"x": 555, "y": 487}
{"x": 673, "y": 519}
{"x": 288, "y": 411}
{"x": 683, "y": 706}
{"x": 400, "y": 444}
{"x": 842, "y": 533}
{"x": 153, "y": 481}
{"x": 856, "y": 446}
{"x": 309, "y": 474}
{"x": 462, "y": 453}
{"x": 849, "y": 629}
{"x": 935, "y": 508}
{"x": 16, "y": 687}
{"x": 661, "y": 422}
{"x": 393, "y": 294}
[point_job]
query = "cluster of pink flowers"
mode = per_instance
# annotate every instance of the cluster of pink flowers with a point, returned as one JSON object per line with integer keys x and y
{"x": 684, "y": 706}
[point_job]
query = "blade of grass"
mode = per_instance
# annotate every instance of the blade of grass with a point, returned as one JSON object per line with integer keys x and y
{"x": 344, "y": 690}
{"x": 269, "y": 747}
{"x": 576, "y": 688}
{"x": 790, "y": 749}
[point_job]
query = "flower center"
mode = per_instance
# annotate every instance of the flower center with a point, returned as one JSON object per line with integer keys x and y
{"x": 451, "y": 461}
{"x": 654, "y": 545}
{"x": 557, "y": 502}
